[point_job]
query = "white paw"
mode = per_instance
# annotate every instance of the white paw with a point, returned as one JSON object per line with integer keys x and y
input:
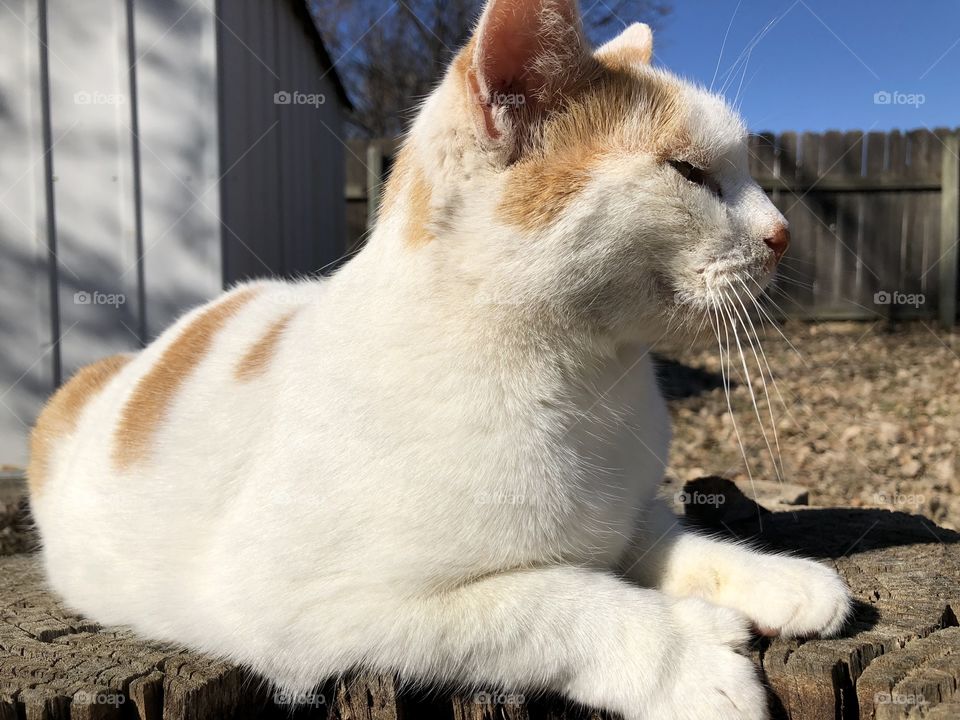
{"x": 709, "y": 678}
{"x": 788, "y": 596}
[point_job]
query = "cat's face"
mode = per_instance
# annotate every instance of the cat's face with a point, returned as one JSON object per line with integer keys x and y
{"x": 613, "y": 192}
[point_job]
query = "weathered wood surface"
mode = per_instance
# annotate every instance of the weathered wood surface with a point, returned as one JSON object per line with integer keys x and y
{"x": 899, "y": 659}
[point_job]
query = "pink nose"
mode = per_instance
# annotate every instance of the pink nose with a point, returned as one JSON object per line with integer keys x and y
{"x": 779, "y": 242}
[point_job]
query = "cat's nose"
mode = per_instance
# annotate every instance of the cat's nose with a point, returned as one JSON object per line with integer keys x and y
{"x": 779, "y": 242}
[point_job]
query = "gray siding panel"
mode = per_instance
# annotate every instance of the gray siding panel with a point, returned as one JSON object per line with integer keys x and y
{"x": 93, "y": 188}
{"x": 176, "y": 80}
{"x": 26, "y": 318}
{"x": 283, "y": 198}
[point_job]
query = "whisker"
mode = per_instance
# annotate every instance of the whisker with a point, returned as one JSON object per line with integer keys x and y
{"x": 791, "y": 260}
{"x": 746, "y": 374}
{"x": 760, "y": 366}
{"x": 776, "y": 327}
{"x": 726, "y": 387}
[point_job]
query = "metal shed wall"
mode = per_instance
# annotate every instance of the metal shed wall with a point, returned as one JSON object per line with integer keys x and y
{"x": 145, "y": 165}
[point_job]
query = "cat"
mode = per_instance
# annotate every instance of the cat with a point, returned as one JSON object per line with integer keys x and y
{"x": 443, "y": 460}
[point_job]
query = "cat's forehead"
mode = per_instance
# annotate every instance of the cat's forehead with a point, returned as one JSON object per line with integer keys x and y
{"x": 667, "y": 115}
{"x": 631, "y": 108}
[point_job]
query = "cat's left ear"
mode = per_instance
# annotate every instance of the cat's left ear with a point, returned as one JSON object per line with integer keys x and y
{"x": 635, "y": 45}
{"x": 526, "y": 53}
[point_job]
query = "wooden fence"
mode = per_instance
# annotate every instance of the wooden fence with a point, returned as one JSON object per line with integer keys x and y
{"x": 874, "y": 218}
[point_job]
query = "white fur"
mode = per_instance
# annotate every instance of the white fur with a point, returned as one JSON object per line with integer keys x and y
{"x": 451, "y": 459}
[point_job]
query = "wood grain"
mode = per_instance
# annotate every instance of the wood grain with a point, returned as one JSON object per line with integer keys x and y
{"x": 899, "y": 658}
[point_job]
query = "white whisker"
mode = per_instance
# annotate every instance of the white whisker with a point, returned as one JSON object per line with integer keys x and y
{"x": 750, "y": 327}
{"x": 746, "y": 375}
{"x": 726, "y": 387}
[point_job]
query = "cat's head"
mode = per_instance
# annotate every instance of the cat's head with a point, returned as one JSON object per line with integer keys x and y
{"x": 548, "y": 178}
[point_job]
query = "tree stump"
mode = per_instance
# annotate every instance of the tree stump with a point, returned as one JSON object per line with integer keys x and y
{"x": 900, "y": 657}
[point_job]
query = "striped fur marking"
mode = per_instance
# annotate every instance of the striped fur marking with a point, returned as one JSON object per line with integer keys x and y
{"x": 154, "y": 394}
{"x": 61, "y": 413}
{"x": 257, "y": 359}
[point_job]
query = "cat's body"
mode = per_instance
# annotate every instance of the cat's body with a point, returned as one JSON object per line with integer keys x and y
{"x": 442, "y": 461}
{"x": 332, "y": 469}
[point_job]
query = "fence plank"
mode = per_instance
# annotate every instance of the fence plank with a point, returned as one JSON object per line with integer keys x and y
{"x": 797, "y": 268}
{"x": 829, "y": 243}
{"x": 763, "y": 161}
{"x": 923, "y": 246}
{"x": 851, "y": 206}
{"x": 949, "y": 232}
{"x": 875, "y": 213}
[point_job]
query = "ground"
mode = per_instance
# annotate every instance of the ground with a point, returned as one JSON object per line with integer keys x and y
{"x": 867, "y": 415}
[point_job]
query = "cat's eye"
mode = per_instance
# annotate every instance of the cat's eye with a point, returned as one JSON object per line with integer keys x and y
{"x": 696, "y": 175}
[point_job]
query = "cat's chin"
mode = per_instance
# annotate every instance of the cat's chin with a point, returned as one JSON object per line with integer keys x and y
{"x": 686, "y": 312}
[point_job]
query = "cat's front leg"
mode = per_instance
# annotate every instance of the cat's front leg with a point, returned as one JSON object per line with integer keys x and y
{"x": 593, "y": 637}
{"x": 782, "y": 595}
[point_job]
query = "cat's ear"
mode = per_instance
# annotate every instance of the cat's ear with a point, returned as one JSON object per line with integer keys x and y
{"x": 525, "y": 53}
{"x": 634, "y": 45}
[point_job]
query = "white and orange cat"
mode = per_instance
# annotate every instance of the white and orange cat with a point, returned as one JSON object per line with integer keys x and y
{"x": 443, "y": 460}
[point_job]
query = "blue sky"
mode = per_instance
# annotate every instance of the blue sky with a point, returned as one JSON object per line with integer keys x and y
{"x": 820, "y": 64}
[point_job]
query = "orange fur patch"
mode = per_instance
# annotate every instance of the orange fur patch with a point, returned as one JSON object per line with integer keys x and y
{"x": 257, "y": 359}
{"x": 393, "y": 188}
{"x": 408, "y": 185}
{"x": 616, "y": 112}
{"x": 548, "y": 186}
{"x": 61, "y": 413}
{"x": 153, "y": 395}
{"x": 416, "y": 233}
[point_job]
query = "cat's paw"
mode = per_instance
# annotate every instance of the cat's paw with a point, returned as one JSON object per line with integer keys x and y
{"x": 789, "y": 596}
{"x": 710, "y": 678}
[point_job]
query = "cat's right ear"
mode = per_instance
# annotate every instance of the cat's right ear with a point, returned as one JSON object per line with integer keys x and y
{"x": 525, "y": 54}
{"x": 633, "y": 45}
